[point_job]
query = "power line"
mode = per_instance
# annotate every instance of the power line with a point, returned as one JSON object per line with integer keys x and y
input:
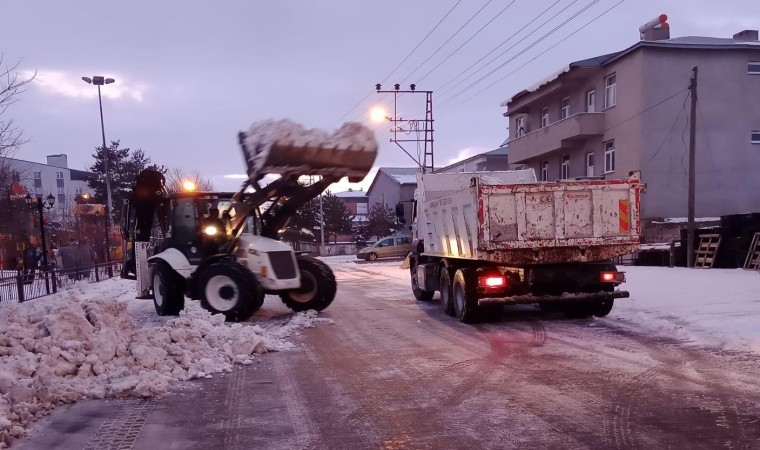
{"x": 536, "y": 42}
{"x": 502, "y": 44}
{"x": 647, "y": 109}
{"x": 404, "y": 60}
{"x": 545, "y": 51}
{"x": 448, "y": 40}
{"x": 467, "y": 41}
{"x": 672, "y": 127}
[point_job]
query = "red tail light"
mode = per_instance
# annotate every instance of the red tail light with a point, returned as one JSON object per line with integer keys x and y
{"x": 612, "y": 277}
{"x": 493, "y": 281}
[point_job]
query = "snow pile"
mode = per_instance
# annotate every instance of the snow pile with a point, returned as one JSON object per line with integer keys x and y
{"x": 262, "y": 135}
{"x": 59, "y": 350}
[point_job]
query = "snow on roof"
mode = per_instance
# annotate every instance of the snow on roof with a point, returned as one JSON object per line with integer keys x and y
{"x": 350, "y": 193}
{"x": 406, "y": 179}
{"x": 536, "y": 86}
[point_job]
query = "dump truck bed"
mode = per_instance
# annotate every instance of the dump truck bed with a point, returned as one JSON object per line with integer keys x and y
{"x": 508, "y": 218}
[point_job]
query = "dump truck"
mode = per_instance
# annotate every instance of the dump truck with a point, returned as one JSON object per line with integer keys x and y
{"x": 488, "y": 239}
{"x": 222, "y": 248}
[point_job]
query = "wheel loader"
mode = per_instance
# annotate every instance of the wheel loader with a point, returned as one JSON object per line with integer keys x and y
{"x": 221, "y": 247}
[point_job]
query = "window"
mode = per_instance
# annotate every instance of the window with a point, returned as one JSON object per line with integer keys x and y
{"x": 402, "y": 241}
{"x": 591, "y": 101}
{"x": 564, "y": 108}
{"x": 60, "y": 190}
{"x": 753, "y": 68}
{"x": 520, "y": 126}
{"x": 755, "y": 139}
{"x": 609, "y": 156}
{"x": 589, "y": 164}
{"x": 59, "y": 175}
{"x": 564, "y": 167}
{"x": 37, "y": 175}
{"x": 61, "y": 199}
{"x": 59, "y": 182}
{"x": 38, "y": 190}
{"x": 610, "y": 91}
{"x": 37, "y": 183}
{"x": 385, "y": 243}
{"x": 544, "y": 170}
{"x": 361, "y": 208}
{"x": 544, "y": 117}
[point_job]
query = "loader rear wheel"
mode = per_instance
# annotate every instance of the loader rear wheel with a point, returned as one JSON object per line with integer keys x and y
{"x": 318, "y": 286}
{"x": 420, "y": 294}
{"x": 444, "y": 285}
{"x": 465, "y": 296}
{"x": 228, "y": 288}
{"x": 168, "y": 289}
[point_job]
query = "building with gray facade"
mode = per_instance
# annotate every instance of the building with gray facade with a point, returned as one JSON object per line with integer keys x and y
{"x": 629, "y": 111}
{"x": 392, "y": 185}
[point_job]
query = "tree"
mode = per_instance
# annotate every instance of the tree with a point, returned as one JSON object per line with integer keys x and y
{"x": 338, "y": 219}
{"x": 124, "y": 166}
{"x": 304, "y": 224}
{"x": 381, "y": 221}
{"x": 176, "y": 177}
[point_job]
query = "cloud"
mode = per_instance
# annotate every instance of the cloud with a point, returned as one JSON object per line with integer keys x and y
{"x": 467, "y": 152}
{"x": 68, "y": 84}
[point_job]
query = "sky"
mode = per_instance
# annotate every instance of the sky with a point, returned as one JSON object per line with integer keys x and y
{"x": 191, "y": 75}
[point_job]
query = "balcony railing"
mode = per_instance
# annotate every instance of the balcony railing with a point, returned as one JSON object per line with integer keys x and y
{"x": 565, "y": 133}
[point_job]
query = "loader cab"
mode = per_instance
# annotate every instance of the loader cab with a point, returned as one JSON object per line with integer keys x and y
{"x": 198, "y": 225}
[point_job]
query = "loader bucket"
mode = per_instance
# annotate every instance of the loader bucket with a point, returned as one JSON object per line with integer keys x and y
{"x": 286, "y": 148}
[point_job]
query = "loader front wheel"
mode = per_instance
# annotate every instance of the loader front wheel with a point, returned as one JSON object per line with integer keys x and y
{"x": 465, "y": 296}
{"x": 318, "y": 286}
{"x": 168, "y": 289}
{"x": 228, "y": 288}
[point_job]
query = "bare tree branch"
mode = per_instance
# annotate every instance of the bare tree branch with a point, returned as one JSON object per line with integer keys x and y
{"x": 176, "y": 177}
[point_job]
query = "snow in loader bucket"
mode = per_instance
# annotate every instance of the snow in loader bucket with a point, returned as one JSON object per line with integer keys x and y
{"x": 286, "y": 148}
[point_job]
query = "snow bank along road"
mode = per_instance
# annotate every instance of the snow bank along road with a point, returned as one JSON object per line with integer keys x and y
{"x": 391, "y": 373}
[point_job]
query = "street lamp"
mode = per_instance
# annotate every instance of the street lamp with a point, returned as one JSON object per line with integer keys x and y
{"x": 48, "y": 205}
{"x": 98, "y": 81}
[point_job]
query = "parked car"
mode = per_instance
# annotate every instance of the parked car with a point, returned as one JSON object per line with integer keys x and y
{"x": 387, "y": 247}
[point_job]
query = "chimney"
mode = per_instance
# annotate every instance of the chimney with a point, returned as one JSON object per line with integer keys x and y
{"x": 58, "y": 161}
{"x": 746, "y": 35}
{"x": 656, "y": 29}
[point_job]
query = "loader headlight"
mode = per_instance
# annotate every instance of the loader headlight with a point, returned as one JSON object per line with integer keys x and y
{"x": 211, "y": 230}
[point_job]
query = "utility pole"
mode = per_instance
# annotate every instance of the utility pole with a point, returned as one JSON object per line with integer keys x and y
{"x": 692, "y": 169}
{"x": 416, "y": 126}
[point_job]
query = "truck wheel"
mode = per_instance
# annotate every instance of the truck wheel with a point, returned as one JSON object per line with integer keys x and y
{"x": 444, "y": 285}
{"x": 420, "y": 294}
{"x": 228, "y": 288}
{"x": 465, "y": 296}
{"x": 168, "y": 289}
{"x": 579, "y": 310}
{"x": 318, "y": 287}
{"x": 603, "y": 307}
{"x": 372, "y": 257}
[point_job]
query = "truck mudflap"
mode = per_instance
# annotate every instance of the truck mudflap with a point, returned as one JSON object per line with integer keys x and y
{"x": 568, "y": 297}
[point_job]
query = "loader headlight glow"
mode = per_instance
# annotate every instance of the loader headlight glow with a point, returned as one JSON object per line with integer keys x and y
{"x": 211, "y": 230}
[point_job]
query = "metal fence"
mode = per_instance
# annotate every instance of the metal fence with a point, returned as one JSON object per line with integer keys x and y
{"x": 17, "y": 287}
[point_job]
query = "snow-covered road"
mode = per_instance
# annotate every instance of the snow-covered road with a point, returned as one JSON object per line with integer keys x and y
{"x": 394, "y": 373}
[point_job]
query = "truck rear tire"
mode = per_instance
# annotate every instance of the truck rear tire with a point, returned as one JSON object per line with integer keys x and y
{"x": 228, "y": 288}
{"x": 168, "y": 289}
{"x": 603, "y": 307}
{"x": 420, "y": 294}
{"x": 465, "y": 296}
{"x": 318, "y": 286}
{"x": 444, "y": 286}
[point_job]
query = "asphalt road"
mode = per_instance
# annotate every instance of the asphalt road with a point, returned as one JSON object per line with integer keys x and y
{"x": 395, "y": 374}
